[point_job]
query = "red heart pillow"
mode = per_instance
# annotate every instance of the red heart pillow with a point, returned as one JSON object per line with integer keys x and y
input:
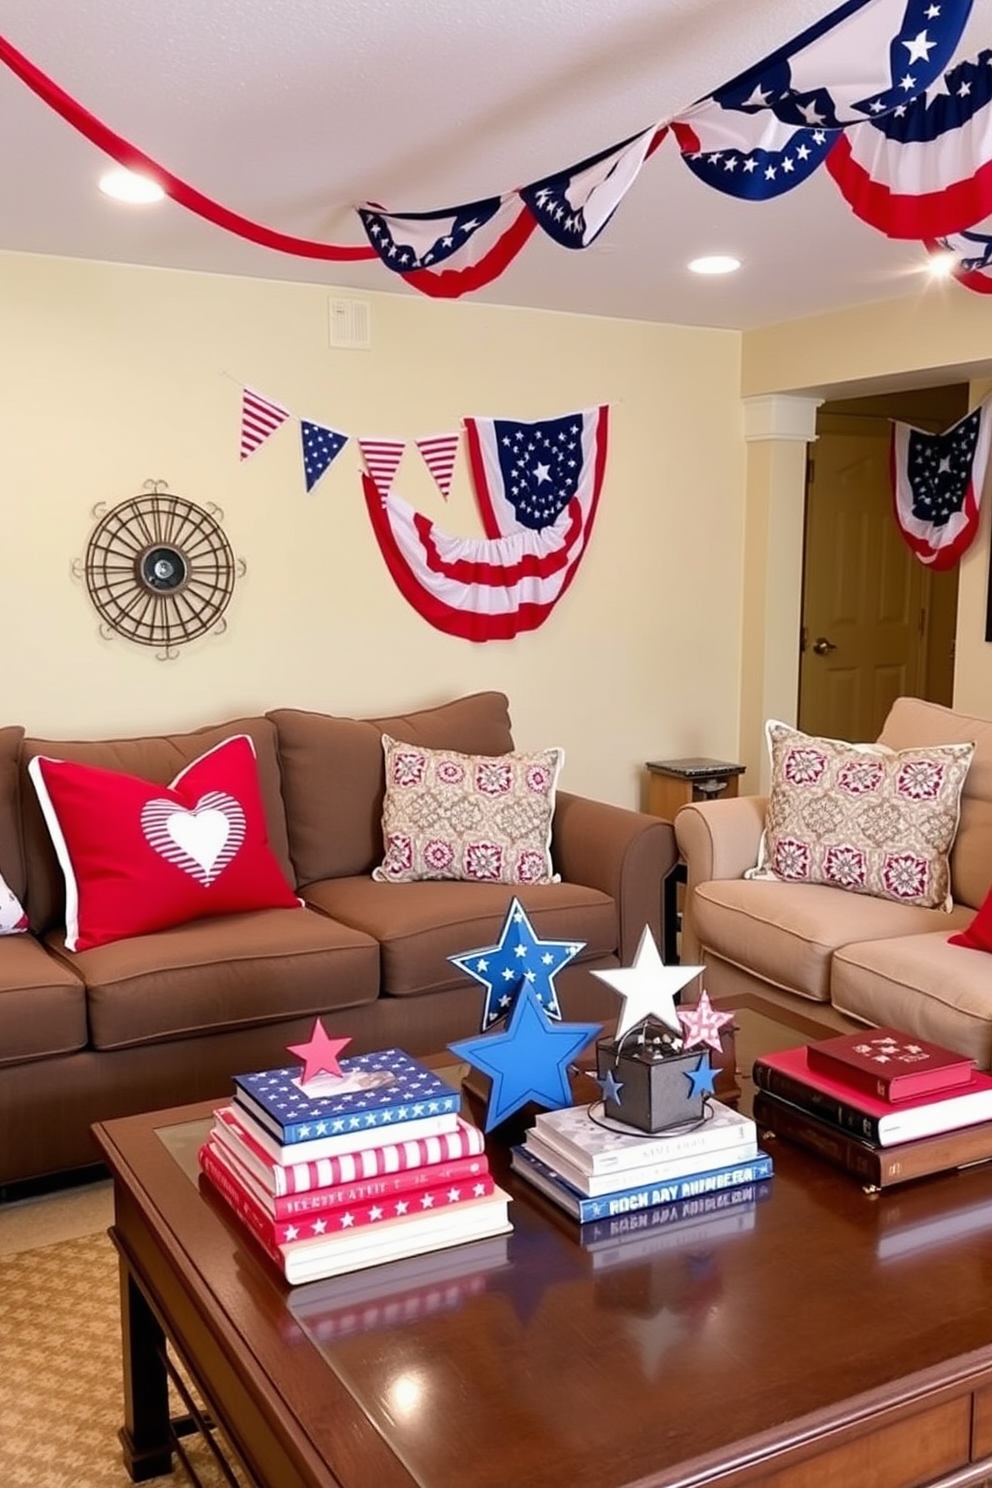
{"x": 139, "y": 857}
{"x": 978, "y": 935}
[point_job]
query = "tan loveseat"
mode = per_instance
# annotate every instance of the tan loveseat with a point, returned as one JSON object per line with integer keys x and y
{"x": 863, "y": 960}
{"x": 163, "y": 1019}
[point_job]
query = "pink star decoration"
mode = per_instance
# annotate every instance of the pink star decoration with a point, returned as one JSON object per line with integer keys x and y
{"x": 701, "y": 1024}
{"x": 320, "y": 1055}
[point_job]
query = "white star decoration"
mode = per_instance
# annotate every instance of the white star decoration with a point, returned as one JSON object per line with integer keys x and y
{"x": 648, "y": 987}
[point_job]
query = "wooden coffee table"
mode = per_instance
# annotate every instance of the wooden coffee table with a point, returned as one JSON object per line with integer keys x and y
{"x": 813, "y": 1337}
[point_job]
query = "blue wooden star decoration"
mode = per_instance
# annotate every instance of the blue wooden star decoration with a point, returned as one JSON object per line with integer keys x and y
{"x": 702, "y": 1077}
{"x": 529, "y": 1060}
{"x": 519, "y": 956}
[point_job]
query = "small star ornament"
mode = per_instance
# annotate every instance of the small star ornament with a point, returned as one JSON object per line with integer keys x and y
{"x": 648, "y": 987}
{"x": 320, "y": 1054}
{"x": 518, "y": 958}
{"x": 529, "y": 1060}
{"x": 702, "y": 1024}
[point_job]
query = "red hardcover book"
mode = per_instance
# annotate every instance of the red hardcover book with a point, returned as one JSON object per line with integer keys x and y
{"x": 891, "y": 1065}
{"x": 786, "y": 1072}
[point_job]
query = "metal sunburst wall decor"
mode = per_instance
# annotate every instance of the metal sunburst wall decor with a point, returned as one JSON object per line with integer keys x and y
{"x": 159, "y": 569}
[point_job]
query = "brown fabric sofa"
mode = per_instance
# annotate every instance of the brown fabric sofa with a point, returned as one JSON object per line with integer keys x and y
{"x": 159, "y": 1020}
{"x": 863, "y": 960}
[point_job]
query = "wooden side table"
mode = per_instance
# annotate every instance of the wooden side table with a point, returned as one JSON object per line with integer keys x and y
{"x": 673, "y": 784}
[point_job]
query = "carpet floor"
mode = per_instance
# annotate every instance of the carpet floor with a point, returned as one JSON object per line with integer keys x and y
{"x": 61, "y": 1394}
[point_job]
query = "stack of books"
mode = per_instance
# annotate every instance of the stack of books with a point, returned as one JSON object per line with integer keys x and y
{"x": 883, "y": 1105}
{"x": 596, "y": 1169}
{"x": 373, "y": 1165}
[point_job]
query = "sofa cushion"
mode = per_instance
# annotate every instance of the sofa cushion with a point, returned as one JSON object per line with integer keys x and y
{"x": 910, "y": 722}
{"x": 419, "y": 925}
{"x": 922, "y": 984}
{"x": 42, "y": 1005}
{"x": 477, "y": 817}
{"x": 333, "y": 780}
{"x": 138, "y": 857}
{"x": 217, "y": 975}
{"x": 158, "y": 758}
{"x": 787, "y": 933}
{"x": 862, "y": 817}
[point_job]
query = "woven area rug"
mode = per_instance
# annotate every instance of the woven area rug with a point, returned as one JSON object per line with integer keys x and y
{"x": 61, "y": 1396}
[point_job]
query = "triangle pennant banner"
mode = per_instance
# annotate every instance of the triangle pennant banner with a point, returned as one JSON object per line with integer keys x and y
{"x": 439, "y": 452}
{"x": 382, "y": 458}
{"x": 260, "y": 417}
{"x": 320, "y": 446}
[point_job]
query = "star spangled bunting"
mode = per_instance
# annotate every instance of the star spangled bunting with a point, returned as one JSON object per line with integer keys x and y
{"x": 382, "y": 458}
{"x": 525, "y": 474}
{"x": 937, "y": 485}
{"x": 529, "y": 1060}
{"x": 520, "y": 957}
{"x": 573, "y": 206}
{"x": 757, "y": 158}
{"x": 439, "y": 452}
{"x": 320, "y": 446}
{"x": 925, "y": 168}
{"x": 260, "y": 417}
{"x": 452, "y": 251}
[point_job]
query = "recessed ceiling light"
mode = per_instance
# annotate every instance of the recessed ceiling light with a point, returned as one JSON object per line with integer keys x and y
{"x": 129, "y": 186}
{"x": 941, "y": 265}
{"x": 715, "y": 263}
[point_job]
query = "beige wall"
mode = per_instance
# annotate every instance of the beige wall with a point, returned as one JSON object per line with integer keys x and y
{"x": 114, "y": 375}
{"x": 942, "y": 335}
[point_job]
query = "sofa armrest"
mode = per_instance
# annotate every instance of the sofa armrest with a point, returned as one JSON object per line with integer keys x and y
{"x": 716, "y": 839}
{"x": 623, "y": 853}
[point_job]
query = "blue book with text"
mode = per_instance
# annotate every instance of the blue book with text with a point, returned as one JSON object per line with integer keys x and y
{"x": 646, "y": 1196}
{"x": 374, "y": 1092}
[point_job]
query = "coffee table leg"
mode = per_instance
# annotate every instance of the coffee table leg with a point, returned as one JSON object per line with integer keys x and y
{"x": 145, "y": 1435}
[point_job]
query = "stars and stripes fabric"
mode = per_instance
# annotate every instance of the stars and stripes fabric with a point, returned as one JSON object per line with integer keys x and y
{"x": 925, "y": 168}
{"x": 452, "y": 251}
{"x": 497, "y": 586}
{"x": 440, "y": 452}
{"x": 382, "y": 458}
{"x": 320, "y": 447}
{"x": 574, "y": 205}
{"x": 525, "y": 474}
{"x": 937, "y": 482}
{"x": 260, "y": 417}
{"x": 971, "y": 255}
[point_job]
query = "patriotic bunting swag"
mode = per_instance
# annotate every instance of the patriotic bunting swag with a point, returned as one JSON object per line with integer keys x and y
{"x": 937, "y": 484}
{"x": 872, "y": 92}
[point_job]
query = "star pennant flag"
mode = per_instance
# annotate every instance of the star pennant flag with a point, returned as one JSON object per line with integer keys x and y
{"x": 925, "y": 168}
{"x": 439, "y": 452}
{"x": 320, "y": 446}
{"x": 260, "y": 417}
{"x": 575, "y": 205}
{"x": 525, "y": 474}
{"x": 937, "y": 485}
{"x": 382, "y": 458}
{"x": 453, "y": 251}
{"x": 495, "y": 587}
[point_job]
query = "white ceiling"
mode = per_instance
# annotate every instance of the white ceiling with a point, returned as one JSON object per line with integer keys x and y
{"x": 292, "y": 111}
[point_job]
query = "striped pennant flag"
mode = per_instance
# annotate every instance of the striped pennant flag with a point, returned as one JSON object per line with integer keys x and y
{"x": 260, "y": 417}
{"x": 382, "y": 458}
{"x": 439, "y": 451}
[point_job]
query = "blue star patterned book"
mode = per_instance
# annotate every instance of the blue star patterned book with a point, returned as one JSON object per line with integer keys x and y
{"x": 379, "y": 1097}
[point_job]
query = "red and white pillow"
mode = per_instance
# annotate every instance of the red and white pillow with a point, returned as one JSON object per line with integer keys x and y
{"x": 139, "y": 857}
{"x": 13, "y": 920}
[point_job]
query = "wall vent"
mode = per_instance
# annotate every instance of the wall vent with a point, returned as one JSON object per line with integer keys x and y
{"x": 351, "y": 324}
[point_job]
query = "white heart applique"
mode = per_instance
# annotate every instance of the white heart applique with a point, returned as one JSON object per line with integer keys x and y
{"x": 201, "y": 840}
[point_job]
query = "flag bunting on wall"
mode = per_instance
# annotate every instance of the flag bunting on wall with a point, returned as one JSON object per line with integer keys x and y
{"x": 260, "y": 417}
{"x": 937, "y": 482}
{"x": 537, "y": 486}
{"x": 872, "y": 91}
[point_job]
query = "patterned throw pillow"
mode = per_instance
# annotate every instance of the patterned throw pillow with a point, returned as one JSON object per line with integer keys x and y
{"x": 862, "y": 817}
{"x": 13, "y": 920}
{"x": 483, "y": 818}
{"x": 139, "y": 857}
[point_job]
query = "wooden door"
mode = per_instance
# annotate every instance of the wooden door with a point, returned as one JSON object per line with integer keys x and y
{"x": 864, "y": 594}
